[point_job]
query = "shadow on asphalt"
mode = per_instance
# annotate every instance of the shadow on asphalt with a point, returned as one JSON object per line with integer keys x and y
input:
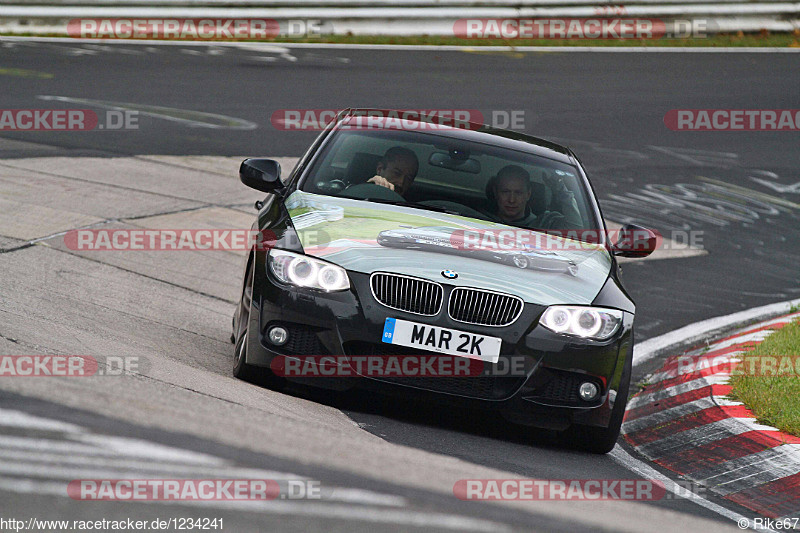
{"x": 365, "y": 408}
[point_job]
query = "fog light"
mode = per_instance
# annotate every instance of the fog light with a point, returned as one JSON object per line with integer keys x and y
{"x": 278, "y": 335}
{"x": 588, "y": 391}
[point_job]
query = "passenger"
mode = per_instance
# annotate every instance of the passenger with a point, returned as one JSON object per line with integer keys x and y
{"x": 510, "y": 192}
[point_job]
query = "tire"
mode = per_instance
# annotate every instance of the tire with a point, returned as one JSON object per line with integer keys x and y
{"x": 520, "y": 261}
{"x": 602, "y": 440}
{"x": 241, "y": 370}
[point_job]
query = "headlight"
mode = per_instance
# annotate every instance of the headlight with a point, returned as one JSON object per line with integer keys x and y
{"x": 588, "y": 322}
{"x": 304, "y": 271}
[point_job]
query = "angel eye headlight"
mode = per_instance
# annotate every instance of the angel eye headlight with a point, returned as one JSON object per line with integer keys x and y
{"x": 330, "y": 277}
{"x": 304, "y": 271}
{"x": 587, "y": 322}
{"x": 558, "y": 320}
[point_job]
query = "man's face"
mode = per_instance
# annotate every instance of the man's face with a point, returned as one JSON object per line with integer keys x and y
{"x": 512, "y": 195}
{"x": 400, "y": 172}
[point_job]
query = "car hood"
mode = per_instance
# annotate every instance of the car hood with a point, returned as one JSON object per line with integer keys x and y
{"x": 369, "y": 237}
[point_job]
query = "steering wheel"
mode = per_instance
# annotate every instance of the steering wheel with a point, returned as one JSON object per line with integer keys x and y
{"x": 332, "y": 186}
{"x": 365, "y": 191}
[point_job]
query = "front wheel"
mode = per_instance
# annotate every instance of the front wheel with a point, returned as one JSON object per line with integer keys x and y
{"x": 598, "y": 439}
{"x": 601, "y": 439}
{"x": 242, "y": 370}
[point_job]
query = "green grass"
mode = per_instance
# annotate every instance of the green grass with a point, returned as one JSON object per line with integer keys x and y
{"x": 763, "y": 39}
{"x": 773, "y": 399}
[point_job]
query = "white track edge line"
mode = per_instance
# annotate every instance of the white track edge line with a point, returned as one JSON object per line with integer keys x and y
{"x": 698, "y": 331}
{"x": 646, "y": 471}
{"x": 682, "y": 336}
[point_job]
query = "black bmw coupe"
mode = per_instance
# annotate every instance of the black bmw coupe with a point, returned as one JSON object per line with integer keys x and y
{"x": 354, "y": 289}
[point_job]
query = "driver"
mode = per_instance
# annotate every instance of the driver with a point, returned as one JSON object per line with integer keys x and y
{"x": 511, "y": 190}
{"x": 396, "y": 170}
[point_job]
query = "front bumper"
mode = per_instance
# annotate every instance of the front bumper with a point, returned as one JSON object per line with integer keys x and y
{"x": 534, "y": 382}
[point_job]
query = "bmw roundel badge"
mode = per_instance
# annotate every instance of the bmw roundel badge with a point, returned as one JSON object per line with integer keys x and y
{"x": 450, "y": 274}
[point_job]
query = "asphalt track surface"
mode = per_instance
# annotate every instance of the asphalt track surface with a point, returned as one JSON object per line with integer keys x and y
{"x": 732, "y": 190}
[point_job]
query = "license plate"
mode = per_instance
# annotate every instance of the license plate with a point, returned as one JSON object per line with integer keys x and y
{"x": 441, "y": 340}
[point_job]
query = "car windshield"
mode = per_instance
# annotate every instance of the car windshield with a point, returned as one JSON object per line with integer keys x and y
{"x": 442, "y": 173}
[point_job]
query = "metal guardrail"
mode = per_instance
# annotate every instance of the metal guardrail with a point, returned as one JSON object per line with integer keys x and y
{"x": 370, "y": 4}
{"x": 402, "y": 17}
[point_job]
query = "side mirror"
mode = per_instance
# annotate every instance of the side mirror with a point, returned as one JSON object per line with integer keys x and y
{"x": 635, "y": 241}
{"x": 261, "y": 174}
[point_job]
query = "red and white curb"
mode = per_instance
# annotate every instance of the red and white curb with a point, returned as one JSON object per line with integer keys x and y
{"x": 683, "y": 422}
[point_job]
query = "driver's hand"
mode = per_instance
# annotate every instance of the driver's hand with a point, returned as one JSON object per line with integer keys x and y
{"x": 383, "y": 182}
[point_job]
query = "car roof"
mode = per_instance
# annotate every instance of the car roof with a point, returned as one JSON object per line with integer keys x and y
{"x": 467, "y": 131}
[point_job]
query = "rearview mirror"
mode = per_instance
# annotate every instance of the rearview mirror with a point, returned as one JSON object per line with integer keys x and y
{"x": 455, "y": 160}
{"x": 261, "y": 174}
{"x": 635, "y": 241}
